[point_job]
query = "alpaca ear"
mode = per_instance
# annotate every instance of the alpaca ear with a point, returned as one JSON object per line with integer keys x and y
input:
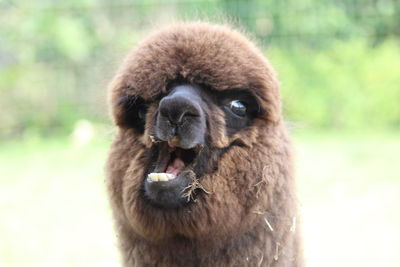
{"x": 130, "y": 112}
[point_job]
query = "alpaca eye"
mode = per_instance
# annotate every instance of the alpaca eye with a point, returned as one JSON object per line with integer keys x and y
{"x": 238, "y": 108}
{"x": 133, "y": 113}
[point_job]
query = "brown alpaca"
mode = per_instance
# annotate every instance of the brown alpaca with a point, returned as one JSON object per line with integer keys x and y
{"x": 200, "y": 170}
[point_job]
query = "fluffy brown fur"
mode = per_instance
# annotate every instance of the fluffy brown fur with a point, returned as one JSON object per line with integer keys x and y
{"x": 248, "y": 216}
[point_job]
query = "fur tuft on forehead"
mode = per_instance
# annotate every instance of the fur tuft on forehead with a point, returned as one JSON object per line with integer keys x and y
{"x": 214, "y": 56}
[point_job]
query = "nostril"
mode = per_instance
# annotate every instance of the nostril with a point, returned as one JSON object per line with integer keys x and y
{"x": 184, "y": 115}
{"x": 174, "y": 130}
{"x": 191, "y": 113}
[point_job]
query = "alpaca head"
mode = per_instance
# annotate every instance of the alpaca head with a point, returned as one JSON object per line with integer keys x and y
{"x": 199, "y": 134}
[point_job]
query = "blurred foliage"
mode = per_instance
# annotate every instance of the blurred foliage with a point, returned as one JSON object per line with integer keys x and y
{"x": 338, "y": 60}
{"x": 346, "y": 86}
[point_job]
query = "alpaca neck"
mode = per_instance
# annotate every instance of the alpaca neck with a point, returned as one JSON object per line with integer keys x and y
{"x": 258, "y": 247}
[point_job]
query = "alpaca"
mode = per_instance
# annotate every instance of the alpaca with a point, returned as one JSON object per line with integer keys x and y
{"x": 200, "y": 170}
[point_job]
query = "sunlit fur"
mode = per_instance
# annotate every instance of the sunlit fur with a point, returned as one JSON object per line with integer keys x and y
{"x": 249, "y": 217}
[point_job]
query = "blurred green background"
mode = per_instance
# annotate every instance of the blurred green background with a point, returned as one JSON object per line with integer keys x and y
{"x": 339, "y": 65}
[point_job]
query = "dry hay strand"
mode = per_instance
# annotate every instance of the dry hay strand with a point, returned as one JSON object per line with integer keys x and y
{"x": 188, "y": 191}
{"x": 259, "y": 212}
{"x": 154, "y": 140}
{"x": 263, "y": 181}
{"x": 290, "y": 221}
{"x": 261, "y": 260}
{"x": 276, "y": 256}
{"x": 268, "y": 224}
{"x": 293, "y": 227}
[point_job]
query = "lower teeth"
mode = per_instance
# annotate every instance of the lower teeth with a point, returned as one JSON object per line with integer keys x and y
{"x": 160, "y": 177}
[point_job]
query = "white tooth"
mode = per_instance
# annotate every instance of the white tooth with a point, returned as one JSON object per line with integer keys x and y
{"x": 153, "y": 176}
{"x": 162, "y": 177}
{"x": 169, "y": 176}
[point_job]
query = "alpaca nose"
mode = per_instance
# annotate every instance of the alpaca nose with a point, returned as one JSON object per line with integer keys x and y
{"x": 177, "y": 107}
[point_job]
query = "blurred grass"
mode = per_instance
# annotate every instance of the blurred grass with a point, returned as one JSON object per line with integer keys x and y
{"x": 350, "y": 189}
{"x": 53, "y": 205}
{"x": 55, "y": 211}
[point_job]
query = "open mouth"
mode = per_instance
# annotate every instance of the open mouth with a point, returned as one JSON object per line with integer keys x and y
{"x": 171, "y": 162}
{"x": 170, "y": 175}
